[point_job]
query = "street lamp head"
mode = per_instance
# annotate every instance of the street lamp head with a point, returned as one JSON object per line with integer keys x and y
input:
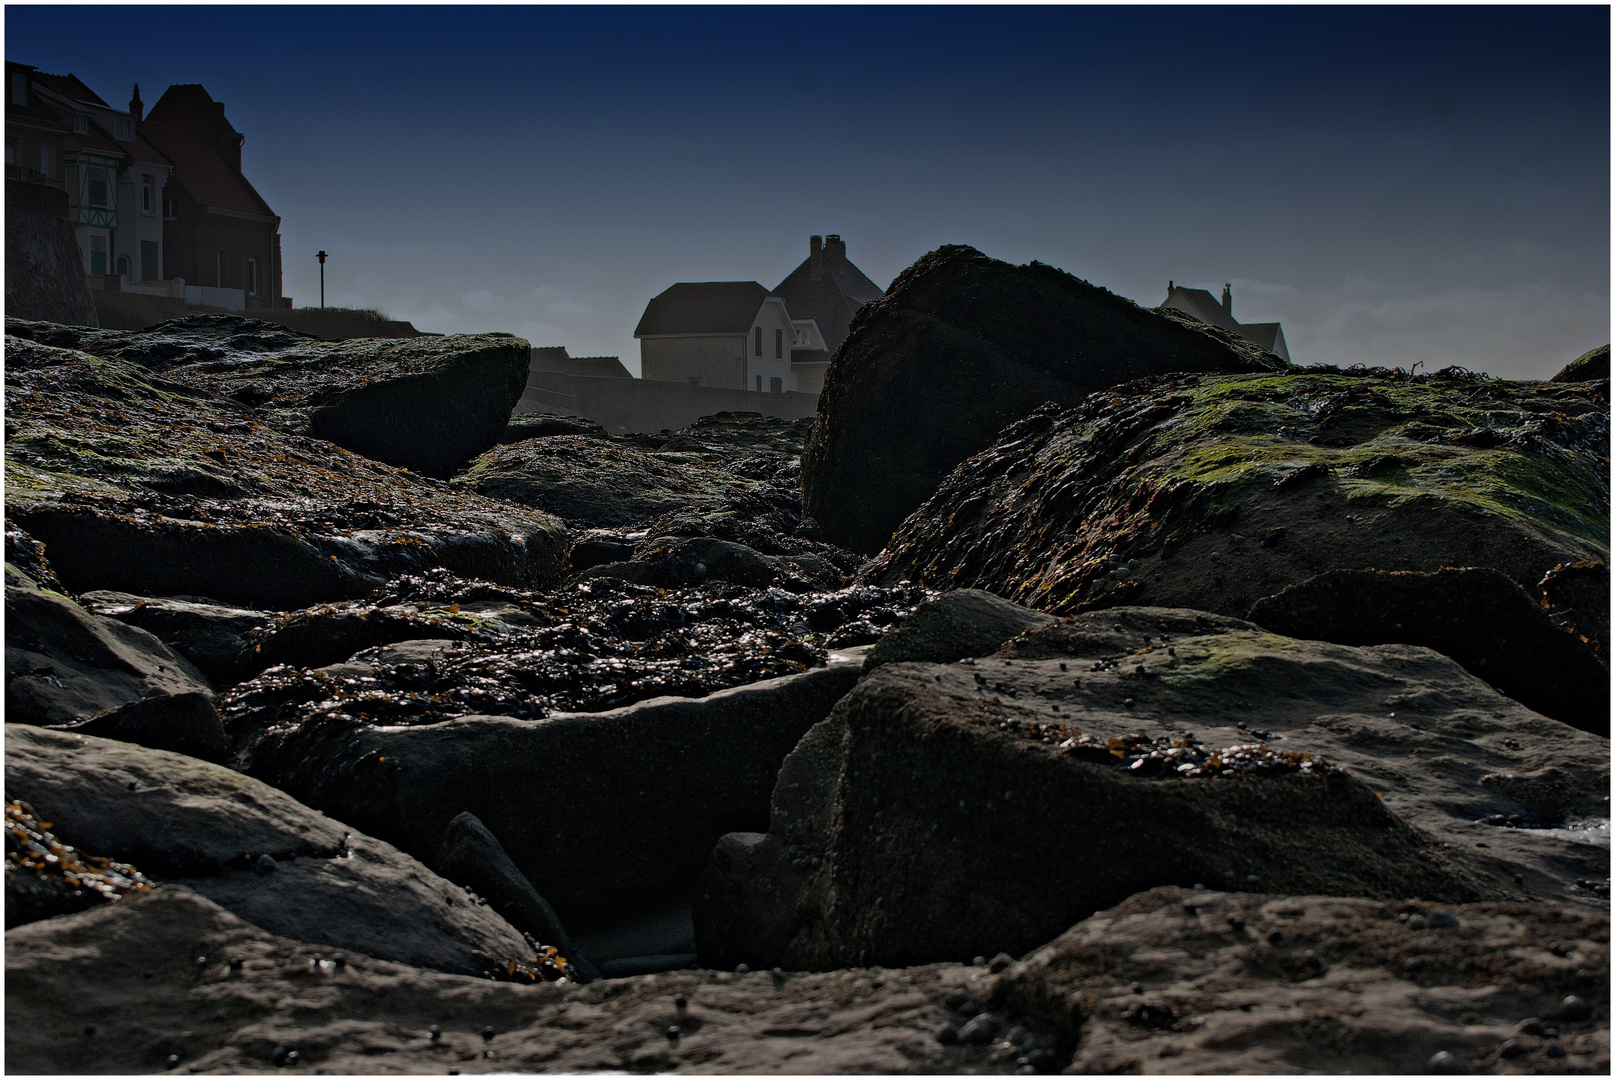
{"x": 321, "y": 257}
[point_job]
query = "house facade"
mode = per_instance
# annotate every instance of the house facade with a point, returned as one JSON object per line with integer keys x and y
{"x": 157, "y": 202}
{"x": 1200, "y": 304}
{"x": 739, "y": 335}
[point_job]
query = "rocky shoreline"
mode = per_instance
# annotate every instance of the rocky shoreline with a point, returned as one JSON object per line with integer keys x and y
{"x": 1216, "y": 715}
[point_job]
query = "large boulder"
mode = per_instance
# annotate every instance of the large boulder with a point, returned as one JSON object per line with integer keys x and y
{"x": 960, "y": 346}
{"x": 599, "y": 811}
{"x": 428, "y": 404}
{"x": 1478, "y": 617}
{"x": 119, "y": 990}
{"x": 137, "y": 484}
{"x": 216, "y": 638}
{"x": 1214, "y": 983}
{"x": 952, "y": 810}
{"x": 957, "y": 624}
{"x": 1211, "y": 492}
{"x": 45, "y": 878}
{"x": 68, "y": 667}
{"x": 253, "y": 850}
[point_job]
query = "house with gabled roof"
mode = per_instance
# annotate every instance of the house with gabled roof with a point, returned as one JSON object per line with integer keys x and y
{"x": 739, "y": 335}
{"x": 1200, "y": 304}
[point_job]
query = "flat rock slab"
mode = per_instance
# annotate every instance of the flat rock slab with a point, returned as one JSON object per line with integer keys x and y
{"x": 1185, "y": 982}
{"x": 253, "y": 850}
{"x": 131, "y": 972}
{"x": 137, "y": 484}
{"x": 428, "y": 404}
{"x": 960, "y": 346}
{"x": 211, "y": 636}
{"x": 1211, "y": 492}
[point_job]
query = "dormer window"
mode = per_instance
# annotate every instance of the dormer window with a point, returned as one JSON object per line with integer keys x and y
{"x": 123, "y": 128}
{"x": 81, "y": 123}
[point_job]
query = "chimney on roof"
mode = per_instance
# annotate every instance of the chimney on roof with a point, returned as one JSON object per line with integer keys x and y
{"x": 1228, "y": 300}
{"x": 815, "y": 259}
{"x": 136, "y": 108}
{"x": 834, "y": 251}
{"x": 1169, "y": 286}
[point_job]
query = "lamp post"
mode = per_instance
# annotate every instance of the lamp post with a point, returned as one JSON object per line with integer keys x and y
{"x": 321, "y": 257}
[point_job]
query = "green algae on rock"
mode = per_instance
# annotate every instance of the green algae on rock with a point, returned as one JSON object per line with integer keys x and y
{"x": 1213, "y": 491}
{"x": 138, "y": 484}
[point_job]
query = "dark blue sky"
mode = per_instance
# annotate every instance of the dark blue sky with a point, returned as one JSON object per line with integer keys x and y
{"x": 1393, "y": 184}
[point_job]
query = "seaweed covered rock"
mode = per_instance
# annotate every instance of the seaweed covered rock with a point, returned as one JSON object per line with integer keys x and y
{"x": 253, "y": 850}
{"x": 136, "y": 484}
{"x": 597, "y": 810}
{"x": 1588, "y": 367}
{"x": 1576, "y": 598}
{"x": 675, "y": 561}
{"x": 1478, "y": 617}
{"x": 215, "y": 637}
{"x": 1217, "y": 982}
{"x": 1211, "y": 492}
{"x": 68, "y": 667}
{"x": 952, "y": 810}
{"x": 428, "y": 404}
{"x": 45, "y": 878}
{"x": 957, "y": 624}
{"x": 960, "y": 346}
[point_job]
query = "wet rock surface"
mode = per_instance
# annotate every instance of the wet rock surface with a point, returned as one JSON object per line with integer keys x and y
{"x": 960, "y": 346}
{"x": 370, "y": 1016}
{"x": 1477, "y": 616}
{"x": 1175, "y": 980}
{"x": 647, "y": 789}
{"x": 1173, "y": 747}
{"x": 214, "y": 637}
{"x": 1212, "y": 492}
{"x": 45, "y": 877}
{"x": 68, "y": 667}
{"x": 137, "y": 484}
{"x": 428, "y": 404}
{"x": 254, "y": 851}
{"x": 540, "y": 425}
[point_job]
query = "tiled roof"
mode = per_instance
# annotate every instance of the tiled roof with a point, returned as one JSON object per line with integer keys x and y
{"x": 1206, "y": 308}
{"x": 830, "y": 301}
{"x": 203, "y": 171}
{"x": 704, "y": 307}
{"x": 188, "y": 105}
{"x": 554, "y": 358}
{"x": 70, "y": 87}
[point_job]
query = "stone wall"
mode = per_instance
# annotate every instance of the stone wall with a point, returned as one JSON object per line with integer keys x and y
{"x": 44, "y": 274}
{"x": 628, "y": 405}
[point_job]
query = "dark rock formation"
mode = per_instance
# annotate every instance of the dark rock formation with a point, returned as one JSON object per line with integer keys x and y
{"x": 966, "y": 622}
{"x": 137, "y": 484}
{"x": 1478, "y": 617}
{"x": 1245, "y": 965}
{"x": 472, "y": 856}
{"x": 67, "y": 667}
{"x": 1589, "y": 366}
{"x": 542, "y": 425}
{"x": 961, "y": 346}
{"x": 956, "y": 810}
{"x": 427, "y": 404}
{"x": 597, "y": 810}
{"x": 254, "y": 851}
{"x": 44, "y": 270}
{"x": 45, "y": 878}
{"x": 674, "y": 561}
{"x": 1213, "y": 492}
{"x": 214, "y": 637}
{"x": 1576, "y": 598}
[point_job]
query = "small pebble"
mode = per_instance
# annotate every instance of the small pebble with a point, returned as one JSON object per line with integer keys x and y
{"x": 1000, "y": 962}
{"x": 1314, "y": 961}
{"x": 1416, "y": 922}
{"x": 979, "y": 1031}
{"x": 1573, "y": 1008}
{"x": 1442, "y": 920}
{"x": 1561, "y": 948}
{"x": 1236, "y": 921}
{"x": 265, "y": 864}
{"x": 89, "y": 1029}
{"x": 237, "y": 964}
{"x": 1137, "y": 988}
{"x": 279, "y": 1054}
{"x": 1413, "y": 964}
{"x": 948, "y": 1036}
{"x": 487, "y": 1033}
{"x": 979, "y": 961}
{"x": 1275, "y": 937}
{"x": 779, "y": 976}
{"x": 673, "y": 1034}
{"x": 1512, "y": 1048}
{"x": 172, "y": 1061}
{"x": 1443, "y": 1061}
{"x": 742, "y": 969}
{"x": 681, "y": 1005}
{"x": 1531, "y": 1025}
{"x": 1127, "y": 702}
{"x": 434, "y": 1033}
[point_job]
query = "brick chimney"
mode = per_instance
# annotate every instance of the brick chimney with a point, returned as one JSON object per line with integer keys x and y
{"x": 136, "y": 108}
{"x": 815, "y": 259}
{"x": 1228, "y": 299}
{"x": 834, "y": 251}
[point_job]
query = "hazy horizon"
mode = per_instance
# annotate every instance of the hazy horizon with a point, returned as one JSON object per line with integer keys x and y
{"x": 1394, "y": 185}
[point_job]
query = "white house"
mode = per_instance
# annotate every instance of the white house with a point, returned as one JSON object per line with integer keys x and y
{"x": 729, "y": 334}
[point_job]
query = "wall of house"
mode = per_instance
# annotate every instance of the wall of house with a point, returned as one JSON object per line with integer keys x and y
{"x": 809, "y": 378}
{"x": 773, "y": 363}
{"x": 715, "y": 360}
{"x": 136, "y": 225}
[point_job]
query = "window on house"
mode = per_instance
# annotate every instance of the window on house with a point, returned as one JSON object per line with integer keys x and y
{"x": 252, "y": 277}
{"x": 19, "y": 88}
{"x": 776, "y": 386}
{"x": 81, "y": 124}
{"x": 123, "y": 265}
{"x": 757, "y": 337}
{"x": 148, "y": 193}
{"x": 218, "y": 269}
{"x": 759, "y": 384}
{"x": 47, "y": 160}
{"x": 98, "y": 253}
{"x": 170, "y": 209}
{"x": 123, "y": 128}
{"x": 98, "y": 187}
